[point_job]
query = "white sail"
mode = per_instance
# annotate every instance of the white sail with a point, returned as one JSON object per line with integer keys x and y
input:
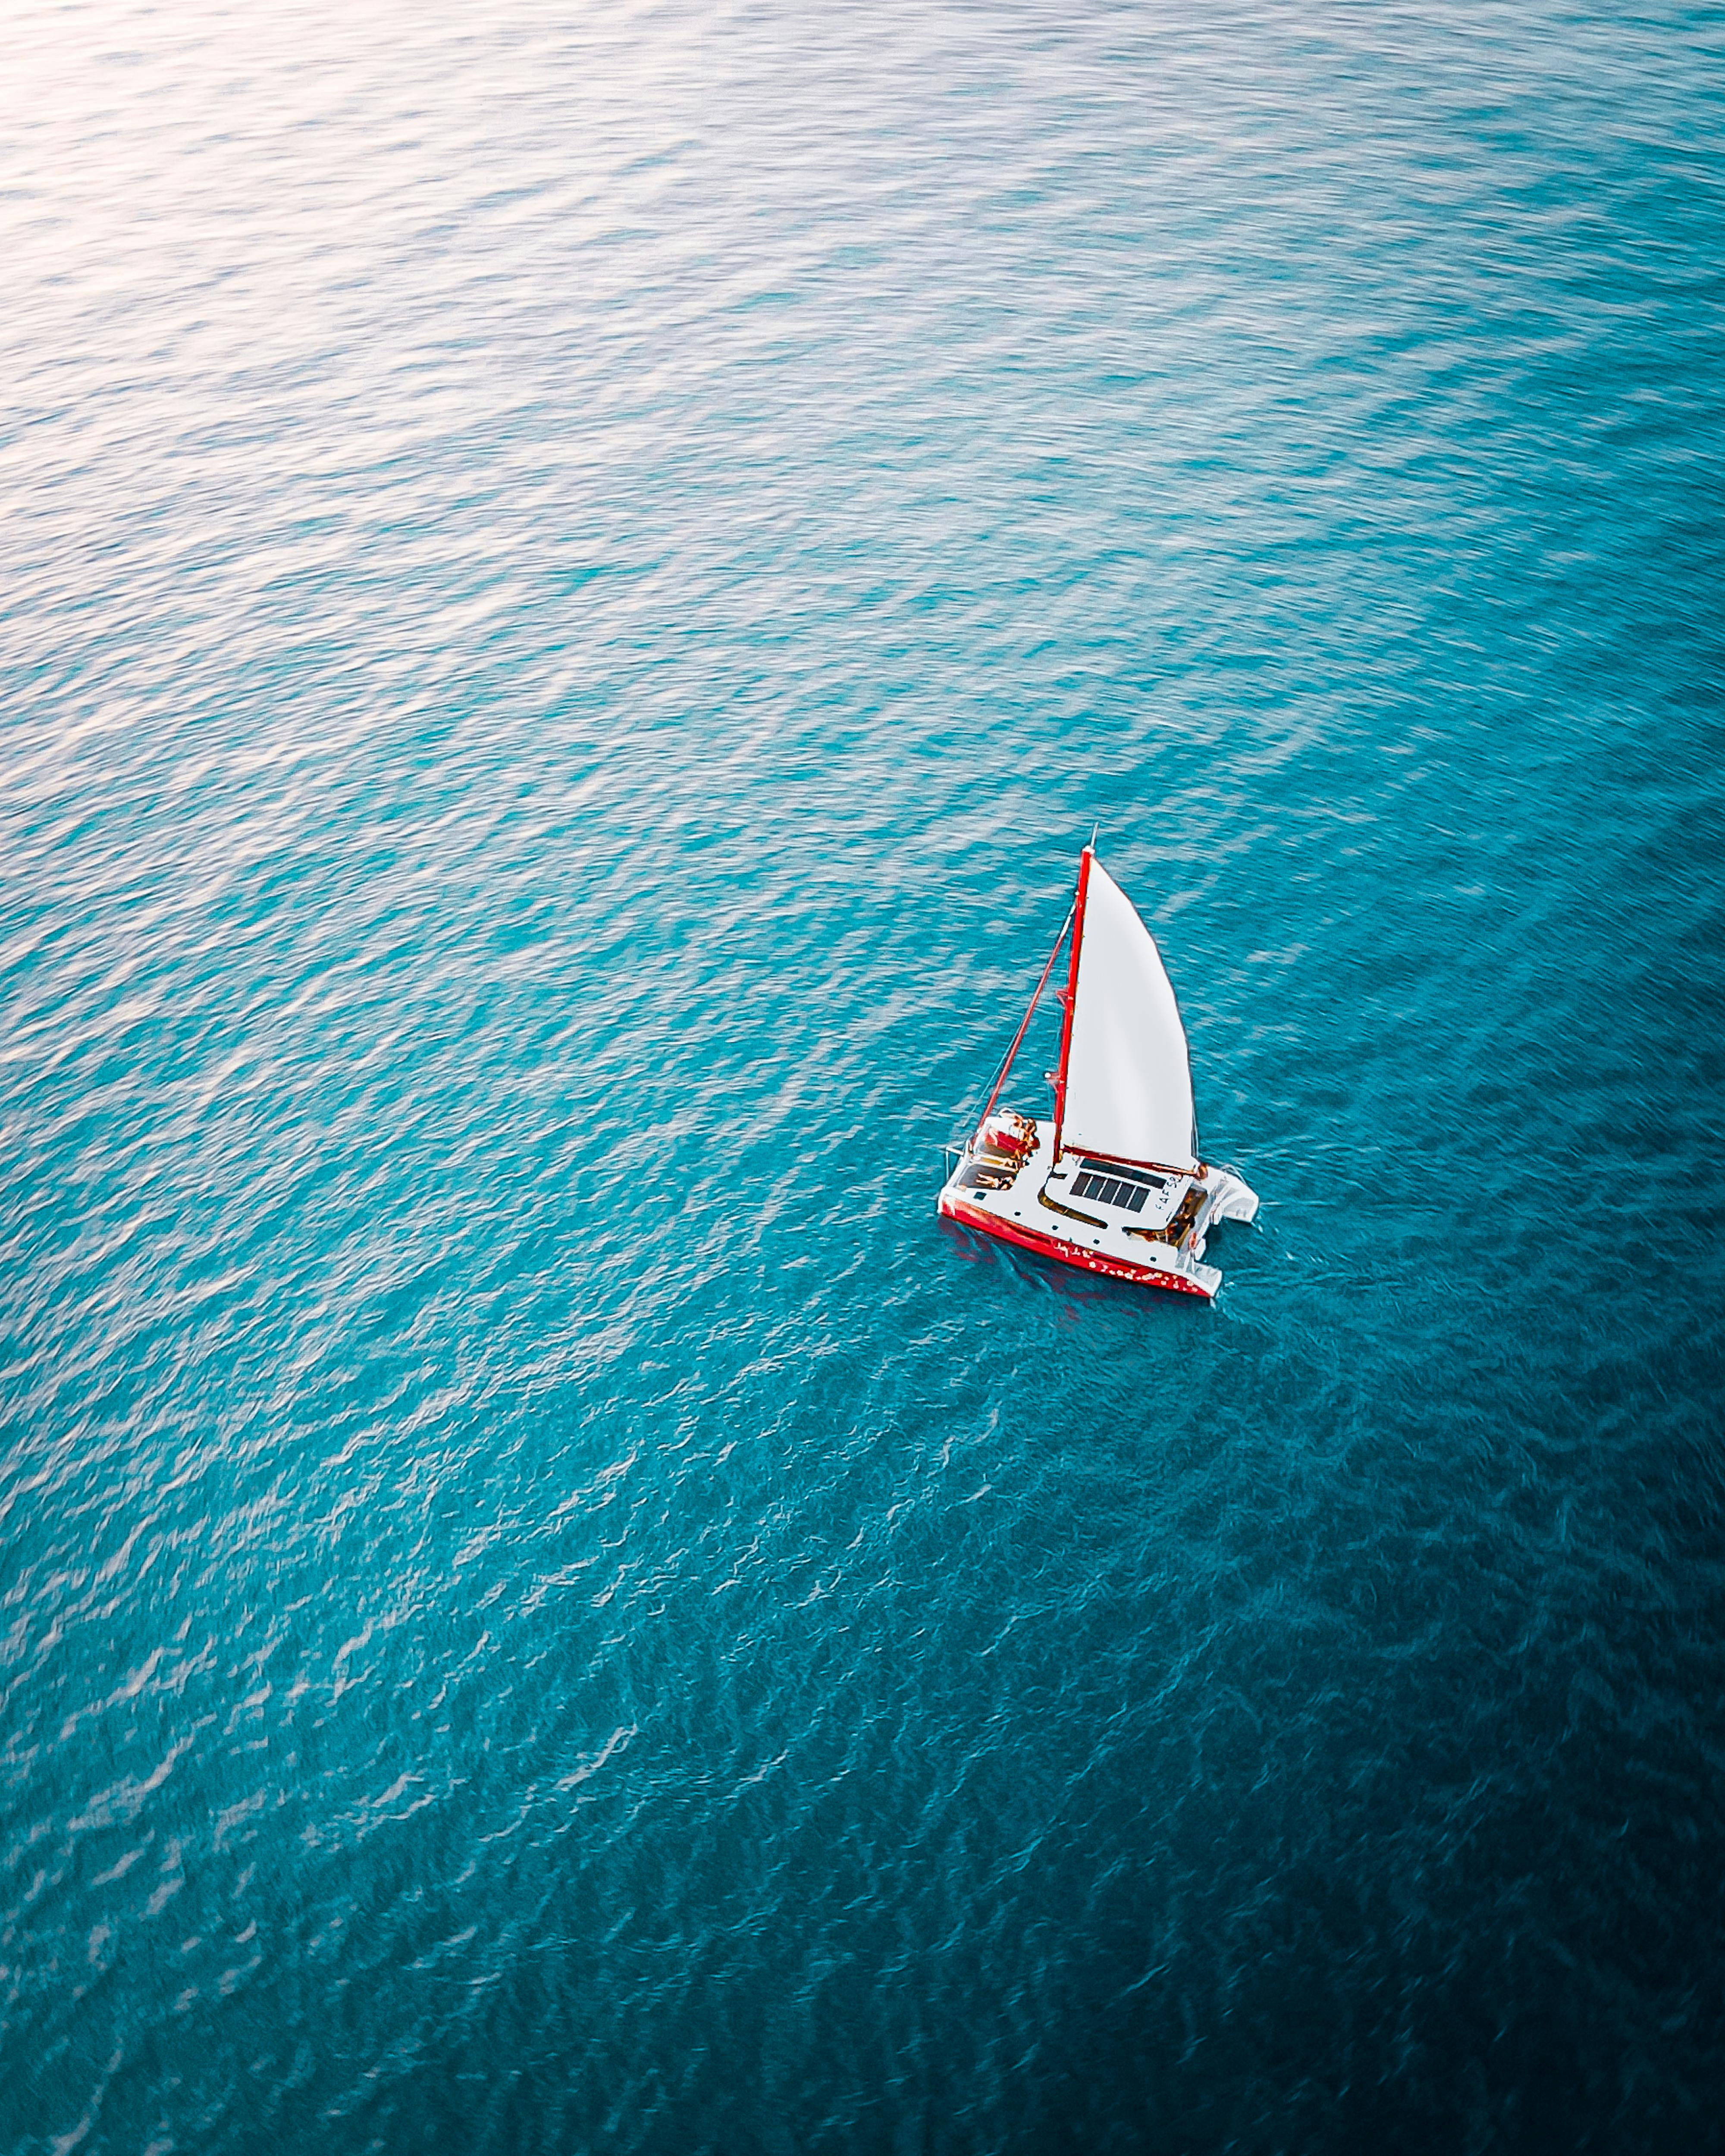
{"x": 1128, "y": 1076}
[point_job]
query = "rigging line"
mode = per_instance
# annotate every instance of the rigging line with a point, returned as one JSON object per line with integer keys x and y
{"x": 1017, "y": 1038}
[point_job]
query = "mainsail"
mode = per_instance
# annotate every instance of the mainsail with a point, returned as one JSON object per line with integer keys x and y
{"x": 1124, "y": 1084}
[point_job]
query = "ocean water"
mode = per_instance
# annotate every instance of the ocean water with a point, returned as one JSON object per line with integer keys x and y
{"x": 574, "y": 582}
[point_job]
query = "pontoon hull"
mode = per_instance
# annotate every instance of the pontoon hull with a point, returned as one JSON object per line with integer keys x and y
{"x": 1069, "y": 1254}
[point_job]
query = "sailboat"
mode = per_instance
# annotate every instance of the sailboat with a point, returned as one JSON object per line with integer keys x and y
{"x": 1112, "y": 1182}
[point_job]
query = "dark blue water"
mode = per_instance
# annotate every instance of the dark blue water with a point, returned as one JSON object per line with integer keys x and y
{"x": 572, "y": 588}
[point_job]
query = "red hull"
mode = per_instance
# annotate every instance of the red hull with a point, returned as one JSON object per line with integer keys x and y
{"x": 1053, "y": 1246}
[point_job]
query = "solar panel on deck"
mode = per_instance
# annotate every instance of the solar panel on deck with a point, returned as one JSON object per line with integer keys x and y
{"x": 1111, "y": 1189}
{"x": 1120, "y": 1173}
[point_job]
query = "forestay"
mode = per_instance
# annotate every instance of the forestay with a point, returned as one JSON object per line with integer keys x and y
{"x": 1128, "y": 1089}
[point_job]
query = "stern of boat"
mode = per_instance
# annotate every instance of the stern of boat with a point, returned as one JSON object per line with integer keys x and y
{"x": 1231, "y": 1197}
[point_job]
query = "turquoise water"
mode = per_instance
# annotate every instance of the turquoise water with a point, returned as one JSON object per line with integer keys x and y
{"x": 572, "y": 590}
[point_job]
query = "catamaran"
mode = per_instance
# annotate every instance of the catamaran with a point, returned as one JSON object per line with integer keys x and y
{"x": 1112, "y": 1182}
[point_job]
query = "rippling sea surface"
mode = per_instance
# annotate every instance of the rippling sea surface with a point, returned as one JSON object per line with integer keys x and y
{"x": 574, "y": 582}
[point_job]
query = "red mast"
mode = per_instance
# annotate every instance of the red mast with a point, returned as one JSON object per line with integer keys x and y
{"x": 1084, "y": 861}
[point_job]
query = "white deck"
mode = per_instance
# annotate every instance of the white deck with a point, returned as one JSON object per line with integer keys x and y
{"x": 1044, "y": 1202}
